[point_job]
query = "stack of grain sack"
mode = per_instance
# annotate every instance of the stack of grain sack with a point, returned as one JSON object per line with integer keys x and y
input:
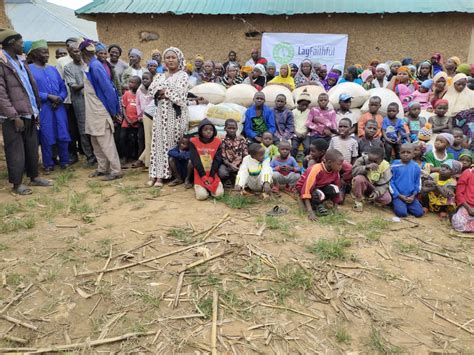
{"x": 233, "y": 102}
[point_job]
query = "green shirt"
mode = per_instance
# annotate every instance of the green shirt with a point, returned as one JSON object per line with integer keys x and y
{"x": 431, "y": 158}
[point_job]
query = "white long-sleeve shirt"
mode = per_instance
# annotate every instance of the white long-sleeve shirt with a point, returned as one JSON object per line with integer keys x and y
{"x": 252, "y": 167}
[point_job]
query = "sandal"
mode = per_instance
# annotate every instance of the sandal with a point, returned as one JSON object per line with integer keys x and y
{"x": 96, "y": 173}
{"x": 358, "y": 207}
{"x": 188, "y": 185}
{"x": 40, "y": 182}
{"x": 22, "y": 190}
{"x": 138, "y": 164}
{"x": 277, "y": 211}
{"x": 321, "y": 210}
{"x": 175, "y": 182}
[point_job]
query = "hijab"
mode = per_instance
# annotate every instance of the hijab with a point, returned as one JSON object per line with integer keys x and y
{"x": 420, "y": 78}
{"x": 261, "y": 80}
{"x": 435, "y": 95}
{"x": 301, "y": 78}
{"x": 288, "y": 80}
{"x": 226, "y": 81}
{"x": 179, "y": 54}
{"x": 386, "y": 69}
{"x": 459, "y": 101}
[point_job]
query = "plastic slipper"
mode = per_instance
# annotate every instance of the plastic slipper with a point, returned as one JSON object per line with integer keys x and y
{"x": 22, "y": 190}
{"x": 277, "y": 211}
{"x": 40, "y": 182}
{"x": 321, "y": 210}
{"x": 358, "y": 207}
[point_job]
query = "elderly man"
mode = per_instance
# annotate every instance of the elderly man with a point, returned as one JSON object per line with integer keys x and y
{"x": 19, "y": 109}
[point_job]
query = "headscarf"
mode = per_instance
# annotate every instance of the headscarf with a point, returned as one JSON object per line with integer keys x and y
{"x": 395, "y": 62}
{"x": 331, "y": 75}
{"x": 407, "y": 61}
{"x": 271, "y": 65}
{"x": 179, "y": 54}
{"x": 453, "y": 165}
{"x": 261, "y": 68}
{"x": 464, "y": 68}
{"x": 384, "y": 67}
{"x": 448, "y": 136}
{"x": 421, "y": 78}
{"x": 365, "y": 75}
{"x": 199, "y": 57}
{"x": 459, "y": 101}
{"x": 438, "y": 95}
{"x": 427, "y": 84}
{"x": 155, "y": 51}
{"x": 100, "y": 47}
{"x": 456, "y": 60}
{"x": 27, "y": 46}
{"x": 300, "y": 78}
{"x": 466, "y": 153}
{"x": 438, "y": 57}
{"x": 86, "y": 44}
{"x": 137, "y": 52}
{"x": 151, "y": 61}
{"x": 440, "y": 102}
{"x": 288, "y": 80}
{"x": 261, "y": 80}
{"x": 338, "y": 67}
{"x": 226, "y": 80}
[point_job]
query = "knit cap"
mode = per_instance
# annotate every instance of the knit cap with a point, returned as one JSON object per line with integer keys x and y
{"x": 425, "y": 133}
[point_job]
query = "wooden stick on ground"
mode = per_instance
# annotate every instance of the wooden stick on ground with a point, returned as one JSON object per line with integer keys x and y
{"x": 205, "y": 260}
{"x": 16, "y": 298}
{"x": 178, "y": 289}
{"x": 61, "y": 347}
{"x": 215, "y": 302}
{"x": 87, "y": 273}
{"x": 18, "y": 322}
{"x": 455, "y": 323}
{"x": 99, "y": 278}
{"x": 291, "y": 310}
{"x": 223, "y": 219}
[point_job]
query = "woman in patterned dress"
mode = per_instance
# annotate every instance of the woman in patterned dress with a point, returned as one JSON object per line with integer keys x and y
{"x": 171, "y": 119}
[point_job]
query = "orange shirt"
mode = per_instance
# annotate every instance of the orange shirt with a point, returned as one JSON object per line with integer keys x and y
{"x": 363, "y": 120}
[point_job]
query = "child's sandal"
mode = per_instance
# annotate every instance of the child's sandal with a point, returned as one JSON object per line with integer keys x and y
{"x": 358, "y": 207}
{"x": 321, "y": 210}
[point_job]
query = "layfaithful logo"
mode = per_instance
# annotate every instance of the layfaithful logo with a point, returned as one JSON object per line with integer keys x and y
{"x": 283, "y": 53}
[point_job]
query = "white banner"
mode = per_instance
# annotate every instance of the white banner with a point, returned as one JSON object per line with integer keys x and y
{"x": 285, "y": 48}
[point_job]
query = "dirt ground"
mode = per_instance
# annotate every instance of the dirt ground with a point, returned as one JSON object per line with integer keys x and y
{"x": 347, "y": 283}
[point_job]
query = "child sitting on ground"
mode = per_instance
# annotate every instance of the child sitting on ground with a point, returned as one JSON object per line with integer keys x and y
{"x": 463, "y": 219}
{"x": 284, "y": 120}
{"x": 205, "y": 154}
{"x": 129, "y": 129}
{"x": 300, "y": 114}
{"x": 344, "y": 111}
{"x": 255, "y": 171}
{"x": 374, "y": 106}
{"x": 271, "y": 150}
{"x": 371, "y": 178}
{"x": 344, "y": 143}
{"x": 440, "y": 122}
{"x": 465, "y": 158}
{"x": 321, "y": 120}
{"x": 393, "y": 131}
{"x": 234, "y": 149}
{"x": 317, "y": 149}
{"x": 259, "y": 118}
{"x": 456, "y": 148}
{"x": 405, "y": 184}
{"x": 441, "y": 193}
{"x": 285, "y": 168}
{"x": 369, "y": 140}
{"x": 180, "y": 164}
{"x": 319, "y": 183}
{"x": 440, "y": 154}
{"x": 413, "y": 120}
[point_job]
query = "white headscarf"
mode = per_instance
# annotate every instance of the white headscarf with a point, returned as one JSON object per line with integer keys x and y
{"x": 179, "y": 54}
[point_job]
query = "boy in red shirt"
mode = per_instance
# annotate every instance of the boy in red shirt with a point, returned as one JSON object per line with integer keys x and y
{"x": 129, "y": 131}
{"x": 321, "y": 182}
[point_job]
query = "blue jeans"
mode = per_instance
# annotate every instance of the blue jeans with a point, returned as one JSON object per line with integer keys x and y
{"x": 402, "y": 209}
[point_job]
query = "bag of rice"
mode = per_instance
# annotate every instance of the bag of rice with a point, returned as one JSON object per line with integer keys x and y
{"x": 212, "y": 92}
{"x": 197, "y": 113}
{"x": 387, "y": 96}
{"x": 358, "y": 93}
{"x": 218, "y": 114}
{"x": 312, "y": 90}
{"x": 241, "y": 94}
{"x": 272, "y": 91}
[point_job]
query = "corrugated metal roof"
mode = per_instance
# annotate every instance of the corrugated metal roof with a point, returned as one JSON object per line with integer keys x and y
{"x": 273, "y": 7}
{"x": 39, "y": 19}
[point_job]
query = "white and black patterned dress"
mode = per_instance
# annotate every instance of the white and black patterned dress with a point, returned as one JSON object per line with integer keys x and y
{"x": 170, "y": 121}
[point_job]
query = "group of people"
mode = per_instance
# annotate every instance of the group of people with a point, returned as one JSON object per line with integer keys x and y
{"x": 125, "y": 115}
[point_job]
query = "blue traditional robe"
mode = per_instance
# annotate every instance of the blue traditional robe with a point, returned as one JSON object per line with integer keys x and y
{"x": 53, "y": 122}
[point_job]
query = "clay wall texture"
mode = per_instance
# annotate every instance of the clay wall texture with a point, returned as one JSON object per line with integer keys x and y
{"x": 387, "y": 37}
{"x": 4, "y": 22}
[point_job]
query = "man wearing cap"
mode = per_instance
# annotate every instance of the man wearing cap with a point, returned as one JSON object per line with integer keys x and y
{"x": 102, "y": 107}
{"x": 19, "y": 109}
{"x": 53, "y": 117}
{"x": 344, "y": 111}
